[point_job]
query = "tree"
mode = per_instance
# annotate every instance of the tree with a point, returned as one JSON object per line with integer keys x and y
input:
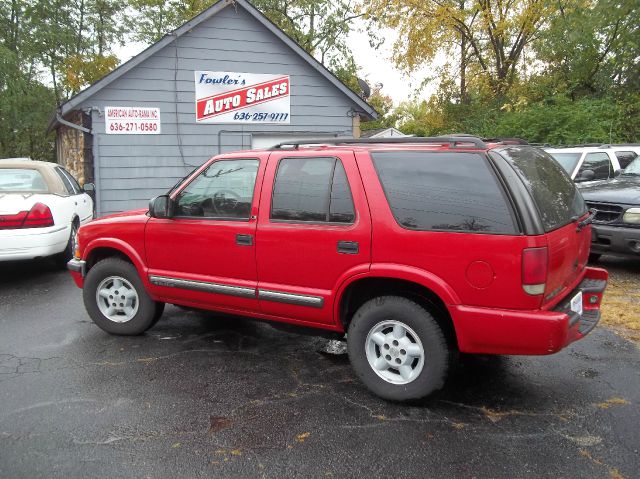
{"x": 487, "y": 38}
{"x": 590, "y": 51}
{"x": 383, "y": 104}
{"x": 72, "y": 40}
{"x": 25, "y": 103}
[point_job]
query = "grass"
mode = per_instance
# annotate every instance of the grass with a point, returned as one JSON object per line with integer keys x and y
{"x": 621, "y": 306}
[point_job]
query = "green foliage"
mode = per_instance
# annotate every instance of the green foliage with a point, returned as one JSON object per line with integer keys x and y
{"x": 570, "y": 122}
{"x": 384, "y": 106}
{"x": 580, "y": 80}
{"x": 25, "y": 109}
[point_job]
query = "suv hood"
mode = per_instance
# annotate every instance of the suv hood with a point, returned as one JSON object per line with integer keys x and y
{"x": 625, "y": 189}
{"x": 124, "y": 216}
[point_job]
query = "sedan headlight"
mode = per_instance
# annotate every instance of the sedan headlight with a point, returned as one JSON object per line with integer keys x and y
{"x": 632, "y": 215}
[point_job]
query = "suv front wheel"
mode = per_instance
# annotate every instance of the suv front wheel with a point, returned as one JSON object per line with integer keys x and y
{"x": 116, "y": 299}
{"x": 398, "y": 349}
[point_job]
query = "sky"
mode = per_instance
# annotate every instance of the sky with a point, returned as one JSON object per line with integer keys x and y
{"x": 376, "y": 65}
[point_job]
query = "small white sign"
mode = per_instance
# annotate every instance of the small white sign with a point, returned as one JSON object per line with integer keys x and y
{"x": 132, "y": 120}
{"x": 231, "y": 97}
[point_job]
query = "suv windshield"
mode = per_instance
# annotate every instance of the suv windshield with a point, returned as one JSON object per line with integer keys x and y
{"x": 557, "y": 198}
{"x": 633, "y": 168}
{"x": 568, "y": 161}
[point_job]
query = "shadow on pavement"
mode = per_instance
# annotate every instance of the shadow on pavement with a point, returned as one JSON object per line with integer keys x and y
{"x": 25, "y": 271}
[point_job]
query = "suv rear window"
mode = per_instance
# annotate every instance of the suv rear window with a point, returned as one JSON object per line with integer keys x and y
{"x": 557, "y": 198}
{"x": 443, "y": 191}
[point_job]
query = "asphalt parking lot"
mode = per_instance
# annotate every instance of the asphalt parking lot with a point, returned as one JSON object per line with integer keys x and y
{"x": 211, "y": 396}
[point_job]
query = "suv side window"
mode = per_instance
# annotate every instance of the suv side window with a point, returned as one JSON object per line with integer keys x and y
{"x": 444, "y": 192}
{"x": 312, "y": 190}
{"x": 625, "y": 157}
{"x": 599, "y": 163}
{"x": 224, "y": 190}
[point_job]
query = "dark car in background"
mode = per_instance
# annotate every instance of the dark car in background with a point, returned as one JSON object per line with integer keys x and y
{"x": 616, "y": 225}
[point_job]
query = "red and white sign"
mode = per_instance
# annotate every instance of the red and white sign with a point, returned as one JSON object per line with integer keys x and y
{"x": 132, "y": 120}
{"x": 227, "y": 97}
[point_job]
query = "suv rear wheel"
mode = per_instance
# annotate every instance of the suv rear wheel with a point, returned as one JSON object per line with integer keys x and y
{"x": 398, "y": 349}
{"x": 116, "y": 299}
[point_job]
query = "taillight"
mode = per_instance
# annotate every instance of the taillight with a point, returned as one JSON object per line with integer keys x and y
{"x": 535, "y": 263}
{"x": 39, "y": 216}
{"x": 8, "y": 222}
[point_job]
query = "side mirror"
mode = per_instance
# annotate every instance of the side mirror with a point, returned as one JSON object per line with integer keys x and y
{"x": 161, "y": 207}
{"x": 89, "y": 188}
{"x": 617, "y": 173}
{"x": 586, "y": 175}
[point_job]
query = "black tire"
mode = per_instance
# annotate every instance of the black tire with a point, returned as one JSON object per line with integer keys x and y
{"x": 594, "y": 257}
{"x": 148, "y": 311}
{"x": 437, "y": 356}
{"x": 61, "y": 259}
{"x": 158, "y": 315}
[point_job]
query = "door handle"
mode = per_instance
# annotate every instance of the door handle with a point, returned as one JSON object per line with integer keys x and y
{"x": 244, "y": 240}
{"x": 348, "y": 247}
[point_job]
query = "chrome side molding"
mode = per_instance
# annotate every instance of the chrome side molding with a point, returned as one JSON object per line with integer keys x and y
{"x": 291, "y": 298}
{"x": 243, "y": 292}
{"x": 203, "y": 286}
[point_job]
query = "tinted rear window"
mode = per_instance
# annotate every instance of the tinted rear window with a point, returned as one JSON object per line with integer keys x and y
{"x": 312, "y": 190}
{"x": 556, "y": 196}
{"x": 444, "y": 191}
{"x": 15, "y": 179}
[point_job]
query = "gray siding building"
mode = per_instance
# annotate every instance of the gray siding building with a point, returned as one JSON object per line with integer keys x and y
{"x": 230, "y": 36}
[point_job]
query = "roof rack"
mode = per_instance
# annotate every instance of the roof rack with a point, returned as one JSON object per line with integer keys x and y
{"x": 507, "y": 141}
{"x": 618, "y": 145}
{"x": 452, "y": 141}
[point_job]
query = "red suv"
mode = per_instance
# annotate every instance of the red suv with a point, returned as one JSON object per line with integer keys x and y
{"x": 417, "y": 248}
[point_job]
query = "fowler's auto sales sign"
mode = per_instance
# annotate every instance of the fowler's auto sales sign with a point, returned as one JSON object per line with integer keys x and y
{"x": 227, "y": 97}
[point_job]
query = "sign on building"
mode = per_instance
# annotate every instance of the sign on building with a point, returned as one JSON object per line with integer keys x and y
{"x": 227, "y": 97}
{"x": 132, "y": 120}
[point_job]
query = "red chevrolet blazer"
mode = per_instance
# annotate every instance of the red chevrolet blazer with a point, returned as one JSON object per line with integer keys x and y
{"x": 415, "y": 248}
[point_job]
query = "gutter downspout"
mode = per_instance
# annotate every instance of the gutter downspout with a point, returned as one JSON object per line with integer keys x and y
{"x": 64, "y": 122}
{"x": 96, "y": 160}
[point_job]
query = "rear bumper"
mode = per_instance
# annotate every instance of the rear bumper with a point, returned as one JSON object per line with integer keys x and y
{"x": 615, "y": 239}
{"x": 30, "y": 243}
{"x": 491, "y": 331}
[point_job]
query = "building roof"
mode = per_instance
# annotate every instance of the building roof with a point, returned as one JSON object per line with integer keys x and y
{"x": 85, "y": 94}
{"x": 382, "y": 133}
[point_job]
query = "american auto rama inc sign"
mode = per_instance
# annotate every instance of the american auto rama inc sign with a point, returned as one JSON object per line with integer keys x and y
{"x": 230, "y": 97}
